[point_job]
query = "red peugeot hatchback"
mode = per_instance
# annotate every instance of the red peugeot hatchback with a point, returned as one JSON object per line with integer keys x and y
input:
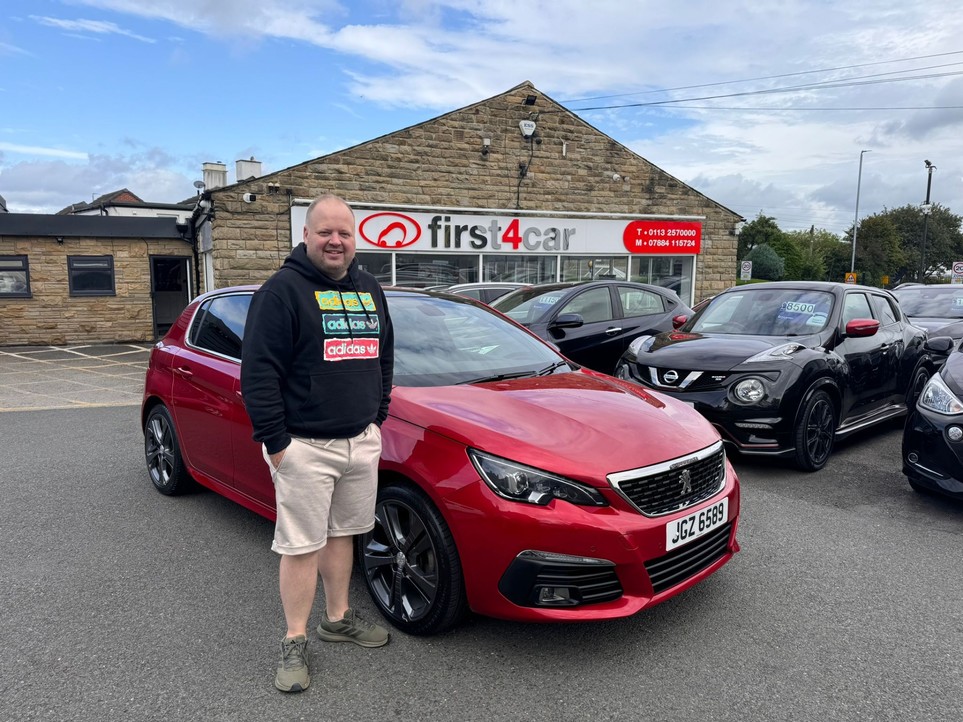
{"x": 512, "y": 482}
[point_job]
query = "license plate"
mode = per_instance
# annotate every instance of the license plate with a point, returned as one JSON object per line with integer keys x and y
{"x": 684, "y": 530}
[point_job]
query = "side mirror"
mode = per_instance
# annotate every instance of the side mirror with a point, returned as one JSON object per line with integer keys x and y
{"x": 939, "y": 344}
{"x": 679, "y": 321}
{"x": 567, "y": 320}
{"x": 862, "y": 327}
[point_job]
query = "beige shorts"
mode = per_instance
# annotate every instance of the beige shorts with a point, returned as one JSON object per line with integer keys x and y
{"x": 324, "y": 487}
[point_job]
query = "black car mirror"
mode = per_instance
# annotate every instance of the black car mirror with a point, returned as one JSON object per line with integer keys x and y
{"x": 567, "y": 320}
{"x": 939, "y": 344}
{"x": 862, "y": 327}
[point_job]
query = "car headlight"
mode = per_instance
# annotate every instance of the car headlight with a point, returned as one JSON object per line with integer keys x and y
{"x": 640, "y": 344}
{"x": 749, "y": 391}
{"x": 527, "y": 484}
{"x": 937, "y": 397}
{"x": 779, "y": 353}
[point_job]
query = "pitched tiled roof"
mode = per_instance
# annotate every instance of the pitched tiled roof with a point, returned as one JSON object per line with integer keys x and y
{"x": 121, "y": 196}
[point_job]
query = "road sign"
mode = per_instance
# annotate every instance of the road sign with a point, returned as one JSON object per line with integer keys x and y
{"x": 957, "y": 272}
{"x": 850, "y": 278}
{"x": 745, "y": 273}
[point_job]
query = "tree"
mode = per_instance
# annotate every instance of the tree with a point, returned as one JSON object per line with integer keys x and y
{"x": 791, "y": 255}
{"x": 878, "y": 250}
{"x": 761, "y": 230}
{"x": 766, "y": 263}
{"x": 944, "y": 240}
{"x": 816, "y": 246}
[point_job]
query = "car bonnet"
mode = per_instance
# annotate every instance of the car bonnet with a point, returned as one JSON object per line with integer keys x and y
{"x": 581, "y": 425}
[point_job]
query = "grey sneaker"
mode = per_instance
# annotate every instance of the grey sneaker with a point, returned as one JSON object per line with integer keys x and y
{"x": 292, "y": 673}
{"x": 352, "y": 629}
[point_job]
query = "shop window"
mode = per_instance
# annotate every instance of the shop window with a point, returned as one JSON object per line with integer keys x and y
{"x": 520, "y": 269}
{"x": 91, "y": 275}
{"x": 14, "y": 277}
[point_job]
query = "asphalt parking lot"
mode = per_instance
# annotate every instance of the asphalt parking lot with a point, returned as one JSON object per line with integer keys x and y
{"x": 123, "y": 604}
{"x": 64, "y": 377}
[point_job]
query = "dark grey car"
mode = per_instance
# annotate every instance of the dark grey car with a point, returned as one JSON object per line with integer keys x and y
{"x": 593, "y": 322}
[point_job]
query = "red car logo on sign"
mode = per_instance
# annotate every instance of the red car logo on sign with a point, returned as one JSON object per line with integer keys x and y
{"x": 389, "y": 230}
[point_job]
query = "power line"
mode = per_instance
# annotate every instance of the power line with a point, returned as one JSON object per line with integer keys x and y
{"x": 766, "y": 77}
{"x": 827, "y": 85}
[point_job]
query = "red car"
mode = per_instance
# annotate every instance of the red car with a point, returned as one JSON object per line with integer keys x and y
{"x": 513, "y": 483}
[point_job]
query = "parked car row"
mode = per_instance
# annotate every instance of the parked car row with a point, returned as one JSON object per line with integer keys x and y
{"x": 596, "y": 496}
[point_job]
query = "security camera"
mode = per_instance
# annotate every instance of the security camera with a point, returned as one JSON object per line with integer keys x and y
{"x": 249, "y": 197}
{"x": 616, "y": 177}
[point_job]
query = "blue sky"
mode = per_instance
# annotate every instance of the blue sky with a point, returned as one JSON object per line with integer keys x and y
{"x": 763, "y": 105}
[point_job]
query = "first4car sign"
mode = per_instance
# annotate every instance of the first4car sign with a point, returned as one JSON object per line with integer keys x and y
{"x": 454, "y": 232}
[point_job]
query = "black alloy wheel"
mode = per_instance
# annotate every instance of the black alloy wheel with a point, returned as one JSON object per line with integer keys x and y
{"x": 165, "y": 464}
{"x": 815, "y": 432}
{"x": 410, "y": 563}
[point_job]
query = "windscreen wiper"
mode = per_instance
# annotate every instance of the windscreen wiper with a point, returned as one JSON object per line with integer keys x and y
{"x": 550, "y": 369}
{"x": 498, "y": 377}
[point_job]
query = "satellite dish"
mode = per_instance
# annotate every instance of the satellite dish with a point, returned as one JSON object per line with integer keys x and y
{"x": 199, "y": 184}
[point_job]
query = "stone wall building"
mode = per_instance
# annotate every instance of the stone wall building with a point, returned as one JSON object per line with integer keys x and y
{"x": 89, "y": 279}
{"x": 478, "y": 163}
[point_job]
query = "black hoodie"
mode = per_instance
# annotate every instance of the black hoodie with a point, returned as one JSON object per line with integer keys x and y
{"x": 317, "y": 355}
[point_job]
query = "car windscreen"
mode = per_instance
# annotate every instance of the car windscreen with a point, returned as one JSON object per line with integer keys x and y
{"x": 938, "y": 302}
{"x": 527, "y": 305}
{"x": 441, "y": 342}
{"x": 765, "y": 312}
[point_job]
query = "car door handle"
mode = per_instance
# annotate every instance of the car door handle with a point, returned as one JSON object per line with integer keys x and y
{"x": 183, "y": 371}
{"x": 612, "y": 331}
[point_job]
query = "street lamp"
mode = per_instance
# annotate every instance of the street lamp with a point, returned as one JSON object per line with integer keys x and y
{"x": 859, "y": 181}
{"x": 926, "y": 208}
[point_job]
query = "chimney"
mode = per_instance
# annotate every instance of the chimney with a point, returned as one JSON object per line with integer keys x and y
{"x": 247, "y": 169}
{"x": 215, "y": 175}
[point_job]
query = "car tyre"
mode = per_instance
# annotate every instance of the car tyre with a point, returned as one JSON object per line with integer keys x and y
{"x": 920, "y": 377}
{"x": 815, "y": 432}
{"x": 411, "y": 565}
{"x": 165, "y": 465}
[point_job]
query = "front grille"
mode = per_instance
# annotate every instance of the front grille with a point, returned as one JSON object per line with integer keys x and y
{"x": 674, "y": 379}
{"x": 680, "y": 564}
{"x": 673, "y": 485}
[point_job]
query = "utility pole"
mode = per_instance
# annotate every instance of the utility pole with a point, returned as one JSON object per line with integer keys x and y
{"x": 926, "y": 208}
{"x": 859, "y": 181}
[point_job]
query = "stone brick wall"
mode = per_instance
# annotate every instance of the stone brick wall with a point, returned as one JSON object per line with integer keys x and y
{"x": 54, "y": 317}
{"x": 439, "y": 163}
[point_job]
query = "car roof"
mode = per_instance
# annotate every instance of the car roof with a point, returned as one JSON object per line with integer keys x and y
{"x": 831, "y": 286}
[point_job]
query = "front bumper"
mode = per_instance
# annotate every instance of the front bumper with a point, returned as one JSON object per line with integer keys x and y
{"x": 930, "y": 459}
{"x": 569, "y": 563}
{"x": 766, "y": 428}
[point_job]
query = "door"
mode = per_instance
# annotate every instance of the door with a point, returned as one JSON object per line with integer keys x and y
{"x": 169, "y": 290}
{"x": 598, "y": 342}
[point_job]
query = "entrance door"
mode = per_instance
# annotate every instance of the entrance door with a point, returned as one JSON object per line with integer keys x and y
{"x": 169, "y": 290}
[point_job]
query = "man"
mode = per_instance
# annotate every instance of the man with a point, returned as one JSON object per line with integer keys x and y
{"x": 316, "y": 372}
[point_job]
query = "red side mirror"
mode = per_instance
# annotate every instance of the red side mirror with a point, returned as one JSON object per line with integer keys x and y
{"x": 861, "y": 327}
{"x": 677, "y": 321}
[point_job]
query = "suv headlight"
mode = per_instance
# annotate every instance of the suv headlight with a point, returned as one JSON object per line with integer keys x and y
{"x": 937, "y": 397}
{"x": 779, "y": 353}
{"x": 527, "y": 484}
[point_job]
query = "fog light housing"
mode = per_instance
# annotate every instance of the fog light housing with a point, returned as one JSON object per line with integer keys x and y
{"x": 954, "y": 433}
{"x": 556, "y": 597}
